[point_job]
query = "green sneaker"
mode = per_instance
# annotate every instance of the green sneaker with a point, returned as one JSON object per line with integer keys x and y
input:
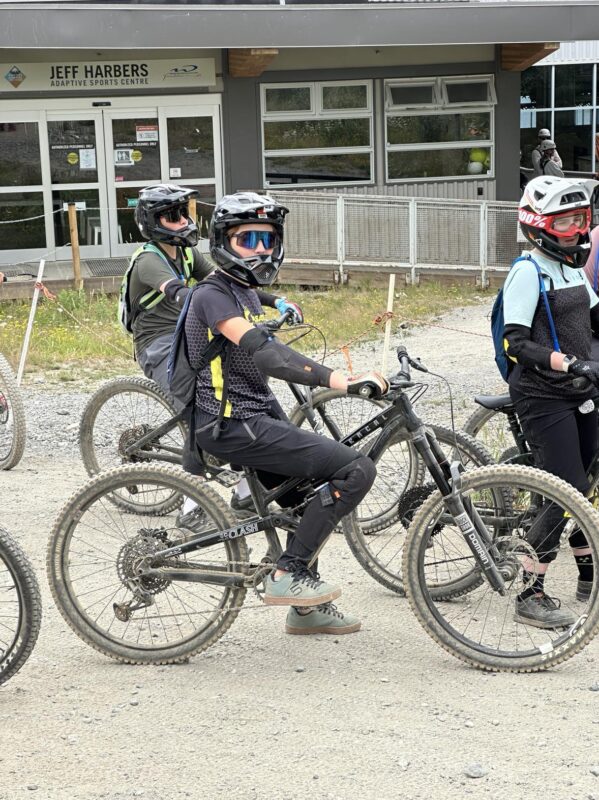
{"x": 299, "y": 588}
{"x": 325, "y": 618}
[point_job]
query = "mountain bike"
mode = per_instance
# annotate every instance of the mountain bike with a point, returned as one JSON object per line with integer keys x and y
{"x": 12, "y": 418}
{"x": 159, "y": 589}
{"x": 20, "y": 607}
{"x": 132, "y": 420}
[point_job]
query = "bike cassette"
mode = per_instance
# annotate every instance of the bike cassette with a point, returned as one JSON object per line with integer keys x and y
{"x": 129, "y": 438}
{"x": 133, "y": 557}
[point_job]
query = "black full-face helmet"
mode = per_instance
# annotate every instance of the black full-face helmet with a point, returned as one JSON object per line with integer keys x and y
{"x": 244, "y": 208}
{"x": 166, "y": 200}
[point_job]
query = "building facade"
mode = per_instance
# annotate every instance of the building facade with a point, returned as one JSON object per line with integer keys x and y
{"x": 398, "y": 98}
{"x": 561, "y": 93}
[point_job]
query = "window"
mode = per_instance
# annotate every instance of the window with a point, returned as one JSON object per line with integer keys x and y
{"x": 317, "y": 133}
{"x": 448, "y": 136}
{"x": 535, "y": 88}
{"x": 573, "y": 85}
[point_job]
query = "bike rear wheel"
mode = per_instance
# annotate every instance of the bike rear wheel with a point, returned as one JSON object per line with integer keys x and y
{"x": 20, "y": 607}
{"x": 12, "y": 418}
{"x": 480, "y": 627}
{"x": 116, "y": 416}
{"x": 378, "y": 547}
{"x": 95, "y": 561}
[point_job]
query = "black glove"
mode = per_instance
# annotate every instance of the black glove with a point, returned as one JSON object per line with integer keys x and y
{"x": 585, "y": 369}
{"x": 370, "y": 384}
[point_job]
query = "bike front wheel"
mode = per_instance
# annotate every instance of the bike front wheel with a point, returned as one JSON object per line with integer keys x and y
{"x": 119, "y": 414}
{"x": 378, "y": 546}
{"x": 12, "y": 418}
{"x": 482, "y": 627}
{"x": 97, "y": 558}
{"x": 20, "y": 607}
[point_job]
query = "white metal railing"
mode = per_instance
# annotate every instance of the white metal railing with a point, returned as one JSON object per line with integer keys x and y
{"x": 391, "y": 233}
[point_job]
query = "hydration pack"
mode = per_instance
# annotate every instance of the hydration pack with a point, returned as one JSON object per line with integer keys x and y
{"x": 153, "y": 296}
{"x": 505, "y": 364}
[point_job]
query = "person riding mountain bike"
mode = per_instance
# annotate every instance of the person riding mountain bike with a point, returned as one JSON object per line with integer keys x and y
{"x": 237, "y": 417}
{"x": 548, "y": 339}
{"x": 158, "y": 279}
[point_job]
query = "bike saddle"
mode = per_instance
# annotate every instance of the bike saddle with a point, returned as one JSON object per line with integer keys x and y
{"x": 497, "y": 402}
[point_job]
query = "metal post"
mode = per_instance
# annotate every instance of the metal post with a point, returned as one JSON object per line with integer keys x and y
{"x": 413, "y": 231}
{"x": 390, "y": 298}
{"x": 72, "y": 212}
{"x": 36, "y": 294}
{"x": 340, "y": 237}
{"x": 483, "y": 244}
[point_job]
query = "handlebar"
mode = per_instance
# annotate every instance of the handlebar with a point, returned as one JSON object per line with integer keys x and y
{"x": 403, "y": 379}
{"x": 276, "y": 324}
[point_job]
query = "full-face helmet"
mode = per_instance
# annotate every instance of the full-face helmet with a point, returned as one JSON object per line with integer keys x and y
{"x": 553, "y": 209}
{"x": 243, "y": 208}
{"x": 171, "y": 202}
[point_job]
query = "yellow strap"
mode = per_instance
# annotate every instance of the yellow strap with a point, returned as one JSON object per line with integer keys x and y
{"x": 216, "y": 371}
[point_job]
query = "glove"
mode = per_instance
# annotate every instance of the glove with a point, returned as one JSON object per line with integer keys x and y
{"x": 585, "y": 369}
{"x": 370, "y": 384}
{"x": 282, "y": 305}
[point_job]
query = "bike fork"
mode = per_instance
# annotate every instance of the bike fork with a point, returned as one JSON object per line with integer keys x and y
{"x": 474, "y": 532}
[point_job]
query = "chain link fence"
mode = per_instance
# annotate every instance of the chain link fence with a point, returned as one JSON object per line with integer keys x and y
{"x": 407, "y": 233}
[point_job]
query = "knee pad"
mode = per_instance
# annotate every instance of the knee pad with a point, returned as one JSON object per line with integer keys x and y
{"x": 353, "y": 481}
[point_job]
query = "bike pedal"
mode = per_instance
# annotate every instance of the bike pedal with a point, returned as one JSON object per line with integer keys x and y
{"x": 227, "y": 478}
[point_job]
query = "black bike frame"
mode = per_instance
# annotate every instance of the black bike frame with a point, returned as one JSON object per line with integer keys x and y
{"x": 399, "y": 414}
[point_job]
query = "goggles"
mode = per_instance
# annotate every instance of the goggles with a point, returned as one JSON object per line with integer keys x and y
{"x": 570, "y": 224}
{"x": 176, "y": 213}
{"x": 250, "y": 239}
{"x": 563, "y": 226}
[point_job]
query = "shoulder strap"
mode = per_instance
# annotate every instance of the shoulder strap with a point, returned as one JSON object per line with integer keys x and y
{"x": 596, "y": 271}
{"x": 528, "y": 257}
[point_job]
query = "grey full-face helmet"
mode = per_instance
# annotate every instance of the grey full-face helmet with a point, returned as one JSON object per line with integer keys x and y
{"x": 244, "y": 208}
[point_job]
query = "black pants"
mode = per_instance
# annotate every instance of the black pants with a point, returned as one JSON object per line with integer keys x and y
{"x": 280, "y": 450}
{"x": 153, "y": 360}
{"x": 564, "y": 442}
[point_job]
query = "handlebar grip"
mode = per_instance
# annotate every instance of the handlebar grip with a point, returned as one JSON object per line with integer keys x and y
{"x": 404, "y": 361}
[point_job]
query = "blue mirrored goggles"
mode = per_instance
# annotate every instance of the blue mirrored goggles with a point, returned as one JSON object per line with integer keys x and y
{"x": 250, "y": 239}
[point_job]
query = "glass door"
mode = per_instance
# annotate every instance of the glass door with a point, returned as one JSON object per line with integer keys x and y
{"x": 77, "y": 175}
{"x": 133, "y": 161}
{"x": 191, "y": 151}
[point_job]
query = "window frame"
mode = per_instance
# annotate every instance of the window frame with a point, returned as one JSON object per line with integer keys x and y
{"x": 442, "y": 107}
{"x": 318, "y": 113}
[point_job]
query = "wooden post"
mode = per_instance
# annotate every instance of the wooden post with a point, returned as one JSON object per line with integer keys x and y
{"x": 25, "y": 348}
{"x": 390, "y": 297}
{"x": 74, "y": 234}
{"x": 192, "y": 210}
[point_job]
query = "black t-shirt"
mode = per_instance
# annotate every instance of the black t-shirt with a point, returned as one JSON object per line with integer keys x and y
{"x": 150, "y": 272}
{"x": 215, "y": 301}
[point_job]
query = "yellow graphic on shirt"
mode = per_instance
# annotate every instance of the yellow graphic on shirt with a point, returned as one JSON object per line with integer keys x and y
{"x": 216, "y": 371}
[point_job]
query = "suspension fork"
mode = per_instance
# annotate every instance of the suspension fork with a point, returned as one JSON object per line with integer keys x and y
{"x": 449, "y": 481}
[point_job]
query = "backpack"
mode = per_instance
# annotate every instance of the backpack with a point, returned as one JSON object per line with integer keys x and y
{"x": 181, "y": 376}
{"x": 596, "y": 272}
{"x": 505, "y": 364}
{"x": 153, "y": 296}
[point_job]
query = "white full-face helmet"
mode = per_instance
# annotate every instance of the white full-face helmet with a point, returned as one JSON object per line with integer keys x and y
{"x": 553, "y": 209}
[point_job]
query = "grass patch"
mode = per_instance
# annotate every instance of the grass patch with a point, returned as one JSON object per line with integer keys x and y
{"x": 92, "y": 344}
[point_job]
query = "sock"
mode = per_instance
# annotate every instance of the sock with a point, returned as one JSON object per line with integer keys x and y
{"x": 535, "y": 588}
{"x": 585, "y": 567}
{"x": 303, "y": 612}
{"x": 188, "y": 505}
{"x": 242, "y": 490}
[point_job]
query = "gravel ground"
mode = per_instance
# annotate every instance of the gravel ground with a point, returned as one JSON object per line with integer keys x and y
{"x": 383, "y": 713}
